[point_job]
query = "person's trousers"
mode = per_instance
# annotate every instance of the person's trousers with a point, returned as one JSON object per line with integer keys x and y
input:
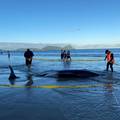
{"x": 28, "y": 61}
{"x": 109, "y": 65}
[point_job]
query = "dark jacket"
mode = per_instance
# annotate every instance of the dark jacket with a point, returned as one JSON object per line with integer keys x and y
{"x": 28, "y": 54}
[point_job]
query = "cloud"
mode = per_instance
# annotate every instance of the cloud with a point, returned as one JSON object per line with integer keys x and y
{"x": 73, "y": 30}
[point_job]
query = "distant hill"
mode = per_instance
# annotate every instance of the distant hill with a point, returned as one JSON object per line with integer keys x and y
{"x": 16, "y": 46}
{"x": 24, "y": 49}
{"x": 50, "y": 48}
{"x": 57, "y": 47}
{"x": 68, "y": 47}
{"x": 33, "y": 46}
{"x": 45, "y": 47}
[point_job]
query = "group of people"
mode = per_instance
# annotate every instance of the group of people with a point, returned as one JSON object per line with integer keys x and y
{"x": 65, "y": 55}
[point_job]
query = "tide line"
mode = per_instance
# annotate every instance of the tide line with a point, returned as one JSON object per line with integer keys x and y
{"x": 51, "y": 86}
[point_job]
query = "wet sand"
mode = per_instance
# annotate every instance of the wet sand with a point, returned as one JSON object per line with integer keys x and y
{"x": 88, "y": 102}
{"x": 95, "y": 98}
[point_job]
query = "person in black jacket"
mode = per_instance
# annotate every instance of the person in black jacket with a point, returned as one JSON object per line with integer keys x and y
{"x": 62, "y": 55}
{"x": 28, "y": 57}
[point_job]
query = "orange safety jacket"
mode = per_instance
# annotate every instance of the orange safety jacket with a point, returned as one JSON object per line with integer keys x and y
{"x": 108, "y": 57}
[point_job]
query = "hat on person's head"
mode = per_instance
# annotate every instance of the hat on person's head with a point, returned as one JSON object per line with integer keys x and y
{"x": 106, "y": 51}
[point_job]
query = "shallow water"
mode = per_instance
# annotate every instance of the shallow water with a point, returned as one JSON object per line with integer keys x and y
{"x": 53, "y": 98}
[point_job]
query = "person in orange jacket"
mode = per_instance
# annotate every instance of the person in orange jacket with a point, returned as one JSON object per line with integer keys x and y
{"x": 110, "y": 60}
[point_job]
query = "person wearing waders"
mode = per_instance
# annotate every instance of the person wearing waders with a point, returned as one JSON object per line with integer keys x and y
{"x": 110, "y": 60}
{"x": 62, "y": 55}
{"x": 28, "y": 57}
{"x": 68, "y": 56}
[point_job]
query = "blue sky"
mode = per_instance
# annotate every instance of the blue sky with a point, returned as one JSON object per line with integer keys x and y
{"x": 60, "y": 21}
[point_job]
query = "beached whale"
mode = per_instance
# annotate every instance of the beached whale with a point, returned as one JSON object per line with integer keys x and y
{"x": 76, "y": 73}
{"x": 59, "y": 74}
{"x": 70, "y": 74}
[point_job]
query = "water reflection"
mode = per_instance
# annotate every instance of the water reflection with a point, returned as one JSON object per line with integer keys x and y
{"x": 12, "y": 81}
{"x": 109, "y": 86}
{"x": 30, "y": 80}
{"x": 67, "y": 64}
{"x": 110, "y": 96}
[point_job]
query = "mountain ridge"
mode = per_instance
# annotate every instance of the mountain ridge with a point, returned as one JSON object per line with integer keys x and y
{"x": 44, "y": 47}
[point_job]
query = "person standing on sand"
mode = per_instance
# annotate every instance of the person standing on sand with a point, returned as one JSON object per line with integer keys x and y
{"x": 28, "y": 57}
{"x": 110, "y": 60}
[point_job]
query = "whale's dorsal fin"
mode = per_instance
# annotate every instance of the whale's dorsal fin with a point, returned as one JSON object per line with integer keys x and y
{"x": 12, "y": 74}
